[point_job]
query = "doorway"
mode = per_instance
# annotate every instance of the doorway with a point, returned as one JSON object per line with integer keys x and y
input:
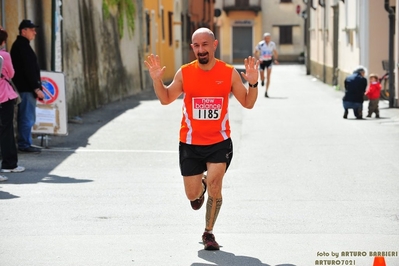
{"x": 242, "y": 43}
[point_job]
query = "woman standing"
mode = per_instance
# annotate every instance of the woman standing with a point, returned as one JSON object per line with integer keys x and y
{"x": 8, "y": 97}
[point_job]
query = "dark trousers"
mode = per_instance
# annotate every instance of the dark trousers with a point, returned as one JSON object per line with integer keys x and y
{"x": 373, "y": 107}
{"x": 7, "y": 139}
{"x": 357, "y": 108}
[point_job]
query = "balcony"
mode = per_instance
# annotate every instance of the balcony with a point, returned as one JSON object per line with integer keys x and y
{"x": 242, "y": 5}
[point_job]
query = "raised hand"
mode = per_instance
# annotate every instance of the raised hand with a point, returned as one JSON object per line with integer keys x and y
{"x": 251, "y": 70}
{"x": 153, "y": 63}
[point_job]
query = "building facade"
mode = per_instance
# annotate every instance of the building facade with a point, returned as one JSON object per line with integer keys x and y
{"x": 100, "y": 46}
{"x": 284, "y": 21}
{"x": 101, "y": 61}
{"x": 346, "y": 34}
{"x": 242, "y": 25}
{"x": 169, "y": 25}
{"x": 200, "y": 14}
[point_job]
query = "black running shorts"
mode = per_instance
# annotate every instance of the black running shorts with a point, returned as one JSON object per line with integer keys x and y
{"x": 265, "y": 64}
{"x": 193, "y": 158}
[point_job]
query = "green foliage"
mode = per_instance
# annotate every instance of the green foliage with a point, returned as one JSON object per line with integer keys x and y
{"x": 125, "y": 8}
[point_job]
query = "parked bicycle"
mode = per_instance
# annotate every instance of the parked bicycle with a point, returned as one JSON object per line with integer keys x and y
{"x": 384, "y": 81}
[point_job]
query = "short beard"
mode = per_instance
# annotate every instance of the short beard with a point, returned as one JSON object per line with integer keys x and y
{"x": 203, "y": 61}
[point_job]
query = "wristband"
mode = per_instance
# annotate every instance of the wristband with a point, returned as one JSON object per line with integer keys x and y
{"x": 253, "y": 86}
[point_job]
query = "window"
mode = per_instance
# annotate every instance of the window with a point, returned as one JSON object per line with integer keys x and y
{"x": 183, "y": 25}
{"x": 163, "y": 25}
{"x": 148, "y": 29}
{"x": 285, "y": 34}
{"x": 242, "y": 3}
{"x": 188, "y": 29}
{"x": 170, "y": 24}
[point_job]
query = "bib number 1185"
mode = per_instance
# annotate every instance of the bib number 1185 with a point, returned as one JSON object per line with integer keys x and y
{"x": 207, "y": 108}
{"x": 207, "y": 114}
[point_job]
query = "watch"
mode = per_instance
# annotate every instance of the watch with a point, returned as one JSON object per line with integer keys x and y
{"x": 253, "y": 85}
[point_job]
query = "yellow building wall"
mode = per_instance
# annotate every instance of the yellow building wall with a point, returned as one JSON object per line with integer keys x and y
{"x": 159, "y": 34}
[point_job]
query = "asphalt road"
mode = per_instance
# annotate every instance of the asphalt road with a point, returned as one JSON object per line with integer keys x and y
{"x": 305, "y": 187}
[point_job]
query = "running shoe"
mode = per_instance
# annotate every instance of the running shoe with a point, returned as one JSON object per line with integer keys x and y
{"x": 17, "y": 169}
{"x": 3, "y": 178}
{"x": 197, "y": 204}
{"x": 209, "y": 242}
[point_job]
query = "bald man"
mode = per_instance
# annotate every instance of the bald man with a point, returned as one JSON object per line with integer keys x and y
{"x": 205, "y": 144}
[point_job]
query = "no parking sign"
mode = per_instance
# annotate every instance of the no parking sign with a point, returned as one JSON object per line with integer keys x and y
{"x": 50, "y": 90}
{"x": 51, "y": 112}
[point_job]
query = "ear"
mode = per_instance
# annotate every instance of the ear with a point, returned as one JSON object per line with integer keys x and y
{"x": 215, "y": 44}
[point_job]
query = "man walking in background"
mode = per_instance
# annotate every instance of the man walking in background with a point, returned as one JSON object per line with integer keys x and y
{"x": 266, "y": 52}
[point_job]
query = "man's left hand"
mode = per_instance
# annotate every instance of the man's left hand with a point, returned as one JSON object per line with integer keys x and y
{"x": 251, "y": 70}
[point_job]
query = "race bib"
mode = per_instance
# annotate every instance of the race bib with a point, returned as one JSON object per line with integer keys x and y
{"x": 207, "y": 108}
{"x": 265, "y": 56}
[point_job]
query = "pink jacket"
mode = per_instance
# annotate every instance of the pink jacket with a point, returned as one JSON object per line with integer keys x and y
{"x": 6, "y": 91}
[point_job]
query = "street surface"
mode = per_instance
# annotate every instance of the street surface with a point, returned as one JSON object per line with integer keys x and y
{"x": 305, "y": 187}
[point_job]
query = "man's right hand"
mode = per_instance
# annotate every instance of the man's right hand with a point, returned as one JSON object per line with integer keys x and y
{"x": 39, "y": 94}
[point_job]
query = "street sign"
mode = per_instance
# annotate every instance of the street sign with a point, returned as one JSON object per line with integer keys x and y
{"x": 50, "y": 90}
{"x": 51, "y": 112}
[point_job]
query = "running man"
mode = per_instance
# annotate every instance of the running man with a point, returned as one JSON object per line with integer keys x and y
{"x": 205, "y": 143}
{"x": 266, "y": 52}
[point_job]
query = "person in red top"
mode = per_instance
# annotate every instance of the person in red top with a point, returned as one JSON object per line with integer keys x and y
{"x": 205, "y": 144}
{"x": 373, "y": 93}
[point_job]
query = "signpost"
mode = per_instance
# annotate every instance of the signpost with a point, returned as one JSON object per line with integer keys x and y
{"x": 51, "y": 112}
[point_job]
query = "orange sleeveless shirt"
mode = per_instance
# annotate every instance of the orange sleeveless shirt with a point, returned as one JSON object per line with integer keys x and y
{"x": 205, "y": 118}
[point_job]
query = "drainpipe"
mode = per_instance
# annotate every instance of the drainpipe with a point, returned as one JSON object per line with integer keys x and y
{"x": 391, "y": 17}
{"x": 307, "y": 60}
{"x": 324, "y": 44}
{"x": 3, "y": 15}
{"x": 53, "y": 33}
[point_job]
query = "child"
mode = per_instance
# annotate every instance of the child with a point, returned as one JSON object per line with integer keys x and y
{"x": 373, "y": 93}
